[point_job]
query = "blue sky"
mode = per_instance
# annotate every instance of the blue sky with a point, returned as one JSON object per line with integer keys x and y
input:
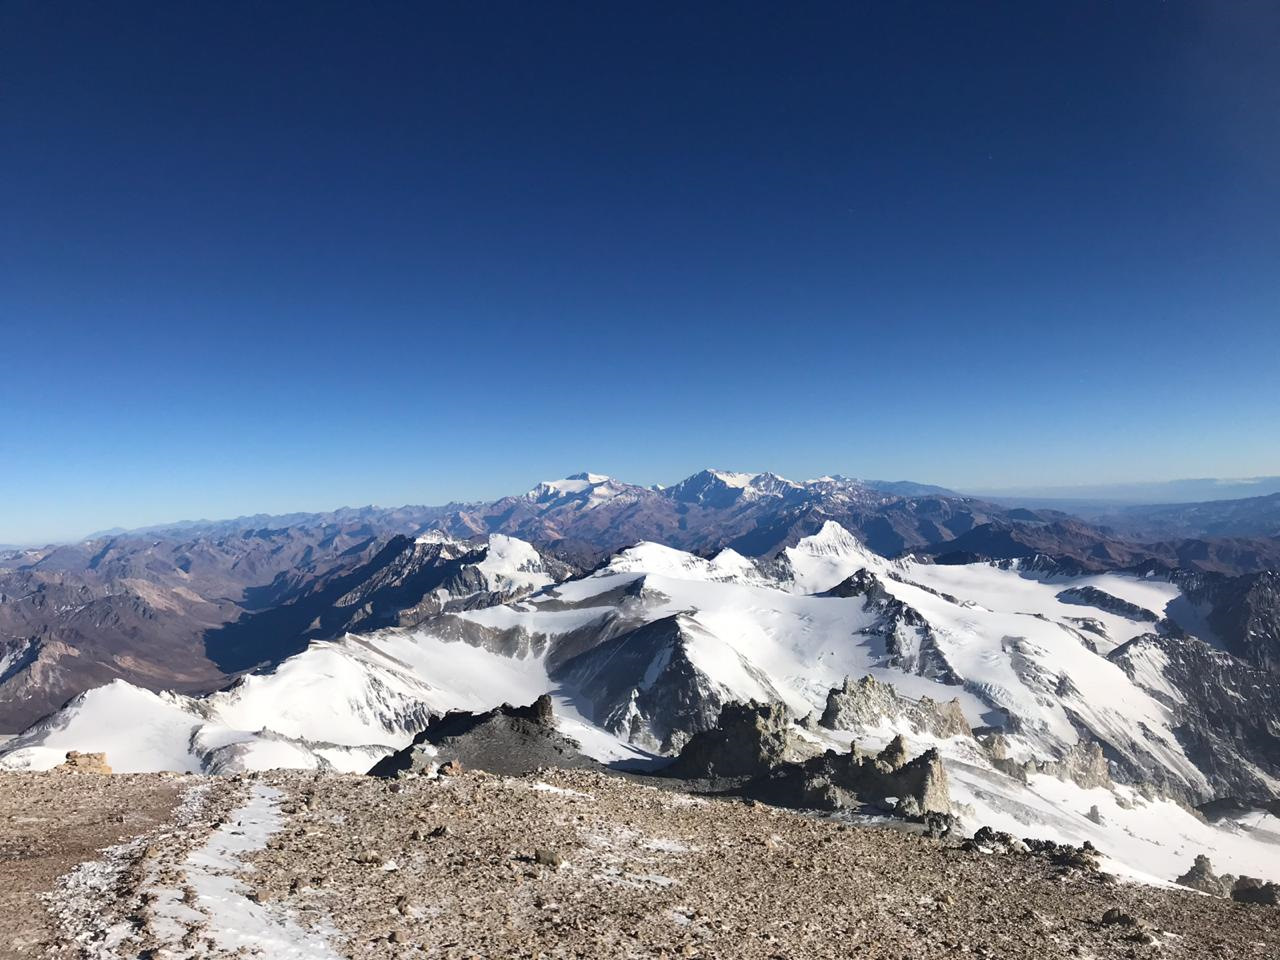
{"x": 266, "y": 257}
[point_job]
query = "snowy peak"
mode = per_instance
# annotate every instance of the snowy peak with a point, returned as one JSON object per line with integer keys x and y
{"x": 593, "y": 488}
{"x": 830, "y": 540}
{"x": 433, "y": 538}
{"x": 821, "y": 561}
{"x": 723, "y": 488}
{"x": 728, "y": 566}
{"x": 654, "y": 685}
{"x": 512, "y": 565}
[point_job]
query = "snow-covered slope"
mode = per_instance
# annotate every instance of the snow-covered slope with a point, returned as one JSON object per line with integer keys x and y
{"x": 342, "y": 704}
{"x": 588, "y": 489}
{"x": 819, "y": 562}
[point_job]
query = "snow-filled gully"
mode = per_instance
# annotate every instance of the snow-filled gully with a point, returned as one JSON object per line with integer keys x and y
{"x": 190, "y": 906}
{"x": 210, "y": 914}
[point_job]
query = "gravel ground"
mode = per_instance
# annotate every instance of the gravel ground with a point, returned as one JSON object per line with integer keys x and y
{"x": 49, "y": 823}
{"x": 578, "y": 864}
{"x": 651, "y": 873}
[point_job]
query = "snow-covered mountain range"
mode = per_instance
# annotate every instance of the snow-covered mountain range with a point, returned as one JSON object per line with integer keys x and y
{"x": 1096, "y": 705}
{"x": 192, "y": 605}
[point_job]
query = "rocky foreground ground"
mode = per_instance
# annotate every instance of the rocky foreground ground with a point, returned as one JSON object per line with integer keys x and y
{"x": 554, "y": 864}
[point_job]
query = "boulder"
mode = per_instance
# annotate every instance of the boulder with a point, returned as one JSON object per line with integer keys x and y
{"x": 77, "y": 762}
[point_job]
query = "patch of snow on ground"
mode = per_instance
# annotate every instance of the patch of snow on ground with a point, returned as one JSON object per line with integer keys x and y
{"x": 83, "y": 899}
{"x": 562, "y": 791}
{"x": 219, "y": 908}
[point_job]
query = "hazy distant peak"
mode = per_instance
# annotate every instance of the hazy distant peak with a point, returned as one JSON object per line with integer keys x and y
{"x": 596, "y": 485}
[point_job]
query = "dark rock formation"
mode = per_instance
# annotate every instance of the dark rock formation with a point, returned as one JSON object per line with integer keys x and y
{"x": 1244, "y": 614}
{"x": 748, "y": 740}
{"x": 1253, "y": 890}
{"x": 1093, "y": 597}
{"x": 846, "y": 781}
{"x": 1226, "y": 712}
{"x": 644, "y": 687}
{"x": 508, "y": 740}
{"x": 1202, "y": 877}
{"x": 748, "y": 753}
{"x": 989, "y": 840}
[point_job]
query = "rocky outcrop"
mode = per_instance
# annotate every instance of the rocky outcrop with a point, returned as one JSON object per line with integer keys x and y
{"x": 1093, "y": 597}
{"x": 1084, "y": 763}
{"x": 1253, "y": 890}
{"x": 1226, "y": 712}
{"x": 508, "y": 740}
{"x": 749, "y": 753}
{"x": 748, "y": 740}
{"x": 889, "y": 782}
{"x": 1064, "y": 855}
{"x": 1202, "y": 877}
{"x": 76, "y": 762}
{"x": 857, "y": 705}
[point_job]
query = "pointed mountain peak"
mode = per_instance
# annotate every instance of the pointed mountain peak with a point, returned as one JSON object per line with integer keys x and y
{"x": 821, "y": 561}
{"x": 724, "y": 488}
{"x": 831, "y": 538}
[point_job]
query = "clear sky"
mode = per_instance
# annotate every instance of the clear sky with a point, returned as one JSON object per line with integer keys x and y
{"x": 272, "y": 256}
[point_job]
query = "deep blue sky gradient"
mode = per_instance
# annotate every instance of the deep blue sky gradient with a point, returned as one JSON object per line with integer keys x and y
{"x": 266, "y": 257}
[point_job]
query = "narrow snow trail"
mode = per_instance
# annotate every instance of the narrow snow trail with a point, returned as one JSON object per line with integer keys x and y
{"x": 210, "y": 914}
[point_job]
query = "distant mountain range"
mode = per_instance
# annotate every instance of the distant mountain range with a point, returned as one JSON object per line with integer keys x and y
{"x": 1250, "y": 517}
{"x": 1106, "y": 496}
{"x": 189, "y": 605}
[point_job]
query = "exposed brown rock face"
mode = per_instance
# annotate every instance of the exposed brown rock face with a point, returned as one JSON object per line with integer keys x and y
{"x": 77, "y": 762}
